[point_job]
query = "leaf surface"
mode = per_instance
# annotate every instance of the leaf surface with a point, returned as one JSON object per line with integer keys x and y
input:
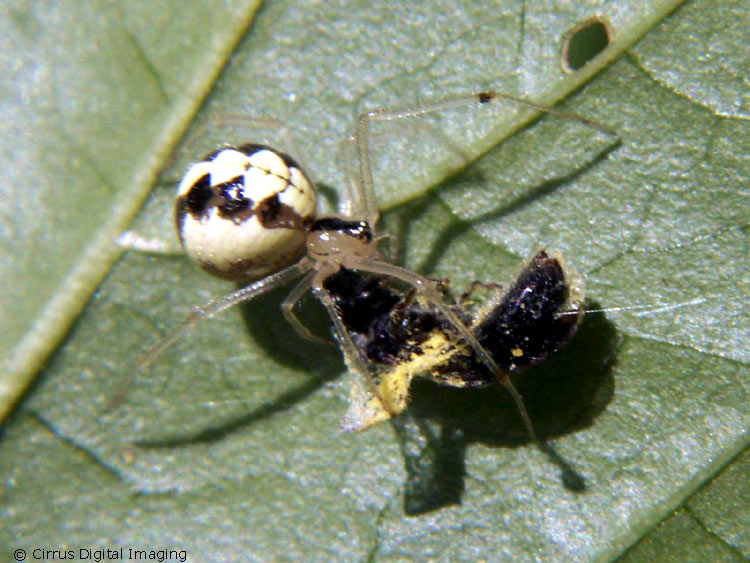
{"x": 231, "y": 440}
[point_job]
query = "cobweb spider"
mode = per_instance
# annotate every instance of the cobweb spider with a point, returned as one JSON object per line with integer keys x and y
{"x": 248, "y": 213}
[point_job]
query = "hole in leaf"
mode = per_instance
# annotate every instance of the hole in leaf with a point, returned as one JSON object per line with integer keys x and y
{"x": 584, "y": 42}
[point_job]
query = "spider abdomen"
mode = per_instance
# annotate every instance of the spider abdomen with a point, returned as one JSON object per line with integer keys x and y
{"x": 242, "y": 212}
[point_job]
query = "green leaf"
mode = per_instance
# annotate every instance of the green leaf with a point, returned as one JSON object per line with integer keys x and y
{"x": 96, "y": 98}
{"x": 231, "y": 440}
{"x": 711, "y": 526}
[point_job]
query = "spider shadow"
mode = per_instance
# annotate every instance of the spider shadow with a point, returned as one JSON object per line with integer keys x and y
{"x": 289, "y": 349}
{"x": 564, "y": 394}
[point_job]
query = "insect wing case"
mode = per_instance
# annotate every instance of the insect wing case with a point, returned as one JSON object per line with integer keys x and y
{"x": 536, "y": 316}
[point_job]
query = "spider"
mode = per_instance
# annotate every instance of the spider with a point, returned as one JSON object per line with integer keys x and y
{"x": 248, "y": 213}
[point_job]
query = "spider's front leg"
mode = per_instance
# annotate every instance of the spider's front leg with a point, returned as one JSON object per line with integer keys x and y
{"x": 369, "y": 403}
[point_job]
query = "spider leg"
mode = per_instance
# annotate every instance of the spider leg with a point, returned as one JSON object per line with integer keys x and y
{"x": 287, "y": 308}
{"x": 132, "y": 240}
{"x": 251, "y": 124}
{"x": 392, "y": 252}
{"x": 360, "y": 153}
{"x": 478, "y": 98}
{"x": 366, "y": 407}
{"x": 210, "y": 309}
{"x": 353, "y": 205}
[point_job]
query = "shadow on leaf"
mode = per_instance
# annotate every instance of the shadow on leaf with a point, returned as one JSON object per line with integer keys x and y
{"x": 564, "y": 394}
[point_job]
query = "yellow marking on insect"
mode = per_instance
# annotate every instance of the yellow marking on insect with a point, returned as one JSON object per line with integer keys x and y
{"x": 394, "y": 384}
